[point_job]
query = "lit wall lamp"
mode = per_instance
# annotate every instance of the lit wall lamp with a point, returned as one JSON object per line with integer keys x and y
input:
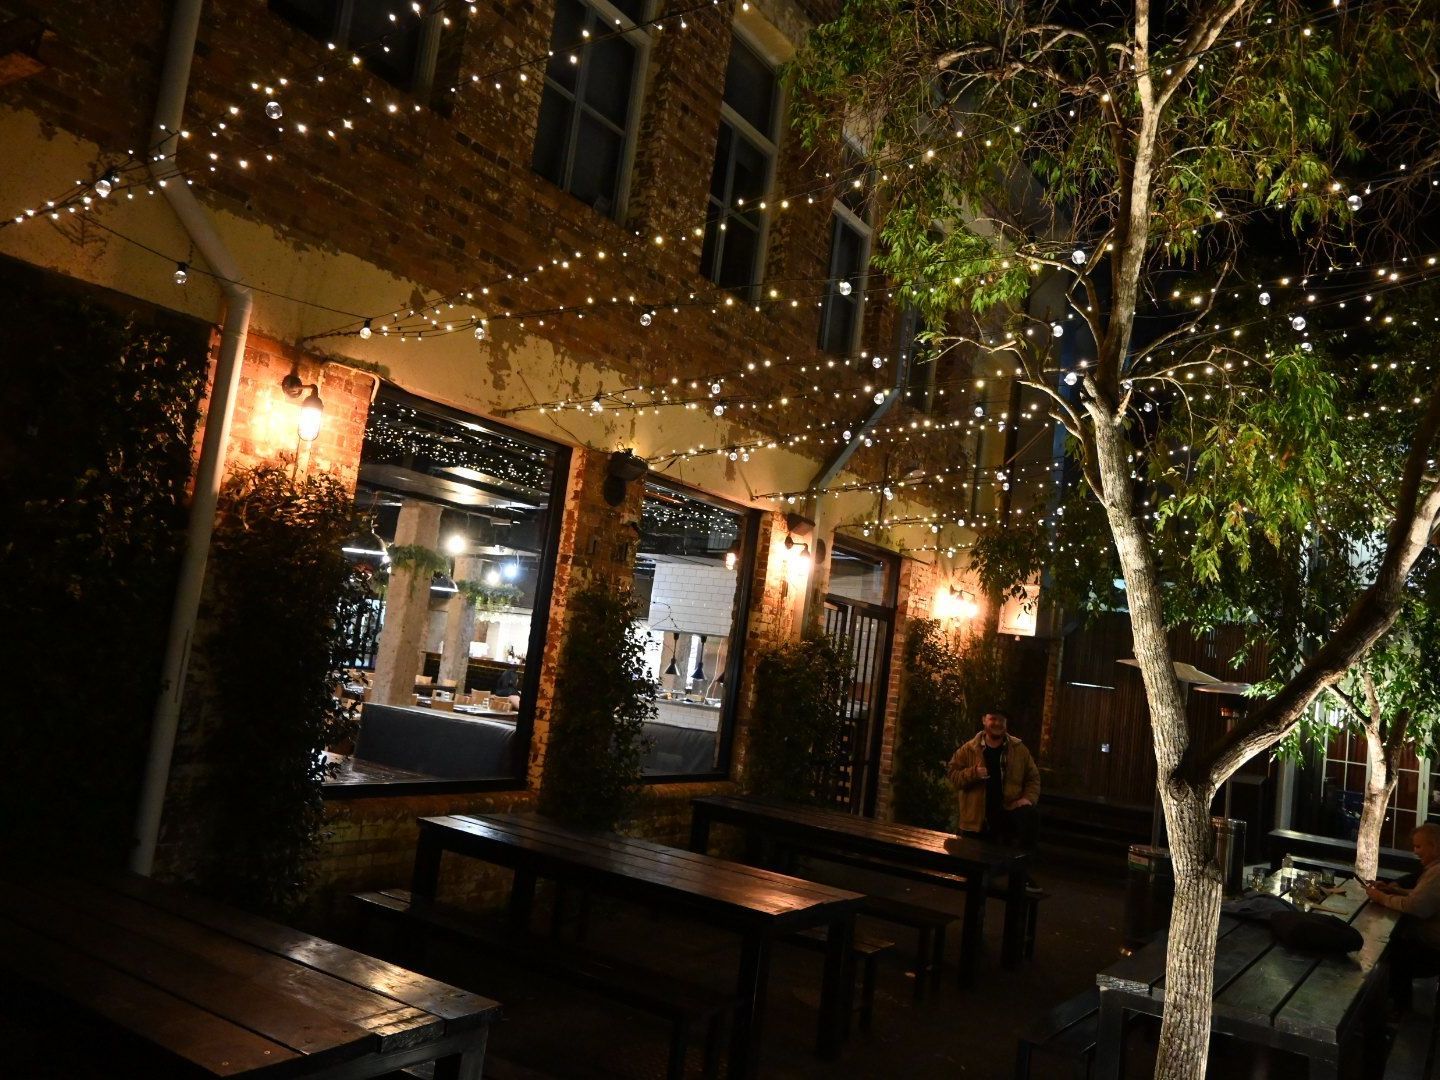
{"x": 312, "y": 409}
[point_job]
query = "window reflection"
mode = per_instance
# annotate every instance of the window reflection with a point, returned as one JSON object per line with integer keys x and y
{"x": 688, "y": 582}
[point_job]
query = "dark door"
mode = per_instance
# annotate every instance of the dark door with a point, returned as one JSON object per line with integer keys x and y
{"x": 866, "y": 626}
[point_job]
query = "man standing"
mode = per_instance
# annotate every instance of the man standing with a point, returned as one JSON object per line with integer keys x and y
{"x": 998, "y": 785}
{"x": 1419, "y": 954}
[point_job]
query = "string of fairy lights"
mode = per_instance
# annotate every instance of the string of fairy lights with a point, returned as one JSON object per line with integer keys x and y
{"x": 431, "y": 322}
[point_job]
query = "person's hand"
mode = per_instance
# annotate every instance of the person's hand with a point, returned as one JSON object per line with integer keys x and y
{"x": 1022, "y": 801}
{"x": 982, "y": 773}
{"x": 1375, "y": 893}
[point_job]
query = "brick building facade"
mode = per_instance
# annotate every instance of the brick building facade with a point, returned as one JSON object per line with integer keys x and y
{"x": 367, "y": 204}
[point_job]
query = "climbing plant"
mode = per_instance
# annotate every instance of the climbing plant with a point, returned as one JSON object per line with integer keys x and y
{"x": 799, "y": 720}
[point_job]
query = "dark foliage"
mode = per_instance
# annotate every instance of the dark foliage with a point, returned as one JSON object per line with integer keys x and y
{"x": 95, "y": 428}
{"x": 603, "y": 697}
{"x": 281, "y": 593}
{"x": 945, "y": 692}
{"x": 795, "y": 742}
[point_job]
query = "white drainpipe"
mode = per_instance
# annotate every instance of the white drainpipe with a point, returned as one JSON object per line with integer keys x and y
{"x": 165, "y": 141}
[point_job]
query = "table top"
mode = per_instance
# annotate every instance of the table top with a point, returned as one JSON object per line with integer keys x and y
{"x": 641, "y": 869}
{"x": 1259, "y": 983}
{"x": 836, "y": 828}
{"x": 232, "y": 993}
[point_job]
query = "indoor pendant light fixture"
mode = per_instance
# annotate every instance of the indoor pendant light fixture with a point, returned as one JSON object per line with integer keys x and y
{"x": 699, "y": 672}
{"x": 674, "y": 645}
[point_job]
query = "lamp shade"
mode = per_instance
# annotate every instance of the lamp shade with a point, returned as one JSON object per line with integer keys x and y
{"x": 699, "y": 672}
{"x": 367, "y": 546}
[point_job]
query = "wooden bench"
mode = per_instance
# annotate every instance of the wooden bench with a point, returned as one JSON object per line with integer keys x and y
{"x": 1065, "y": 1035}
{"x": 933, "y": 951}
{"x": 687, "y": 1008}
{"x": 1414, "y": 1054}
{"x": 865, "y": 949}
{"x": 214, "y": 991}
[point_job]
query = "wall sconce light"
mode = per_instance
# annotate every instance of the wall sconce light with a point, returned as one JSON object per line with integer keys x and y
{"x": 955, "y": 603}
{"x": 312, "y": 409}
{"x": 732, "y": 557}
{"x": 968, "y": 605}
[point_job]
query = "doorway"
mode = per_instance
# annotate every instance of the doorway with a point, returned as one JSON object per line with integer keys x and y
{"x": 860, "y": 614}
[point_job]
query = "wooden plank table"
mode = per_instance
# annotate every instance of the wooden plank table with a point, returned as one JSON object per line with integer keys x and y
{"x": 1307, "y": 1003}
{"x": 227, "y": 993}
{"x": 758, "y": 904}
{"x": 981, "y": 864}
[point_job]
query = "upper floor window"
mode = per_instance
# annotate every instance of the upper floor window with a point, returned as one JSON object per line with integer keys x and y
{"x": 744, "y": 168}
{"x": 843, "y": 307}
{"x": 584, "y": 140}
{"x": 395, "y": 42}
{"x": 921, "y": 358}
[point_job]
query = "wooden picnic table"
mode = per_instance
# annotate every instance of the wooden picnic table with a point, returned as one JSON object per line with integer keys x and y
{"x": 224, "y": 993}
{"x": 1307, "y": 1003}
{"x": 758, "y": 904}
{"x": 892, "y": 848}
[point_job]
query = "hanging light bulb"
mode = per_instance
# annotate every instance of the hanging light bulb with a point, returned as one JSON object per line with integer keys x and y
{"x": 979, "y": 410}
{"x": 312, "y": 412}
{"x": 1355, "y": 202}
{"x": 365, "y": 331}
{"x": 274, "y": 110}
{"x": 719, "y": 409}
{"x": 1264, "y": 299}
{"x": 714, "y": 388}
{"x": 480, "y": 330}
{"x": 1057, "y": 330}
{"x": 1078, "y": 257}
{"x": 845, "y": 434}
{"x": 1071, "y": 378}
{"x": 511, "y": 571}
{"x": 1307, "y": 346}
{"x": 879, "y": 397}
{"x": 107, "y": 183}
{"x": 646, "y": 318}
{"x": 1297, "y": 322}
{"x": 876, "y": 362}
{"x": 182, "y": 273}
{"x": 595, "y": 405}
{"x": 843, "y": 287}
{"x": 455, "y": 544}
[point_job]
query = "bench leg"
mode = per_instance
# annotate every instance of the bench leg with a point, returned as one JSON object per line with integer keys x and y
{"x": 837, "y": 988}
{"x": 1032, "y": 926}
{"x": 679, "y": 1047}
{"x": 466, "y": 1065}
{"x": 1022, "y": 1060}
{"x": 699, "y": 830}
{"x": 867, "y": 994}
{"x": 923, "y": 951}
{"x": 937, "y": 957}
{"x": 972, "y": 931}
{"x": 1110, "y": 1038}
{"x": 1016, "y": 918}
{"x": 714, "y": 1041}
{"x": 754, "y": 975}
{"x": 522, "y": 897}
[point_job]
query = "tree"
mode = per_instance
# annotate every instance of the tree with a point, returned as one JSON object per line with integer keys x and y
{"x": 1133, "y": 154}
{"x": 604, "y": 697}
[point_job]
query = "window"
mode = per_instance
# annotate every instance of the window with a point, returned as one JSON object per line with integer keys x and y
{"x": 1330, "y": 789}
{"x": 584, "y": 138}
{"x": 690, "y": 577}
{"x": 744, "y": 167}
{"x": 461, "y": 552}
{"x": 843, "y": 306}
{"x": 920, "y": 389}
{"x": 401, "y": 51}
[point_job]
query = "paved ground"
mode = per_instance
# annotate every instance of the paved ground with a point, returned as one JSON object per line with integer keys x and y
{"x": 956, "y": 1033}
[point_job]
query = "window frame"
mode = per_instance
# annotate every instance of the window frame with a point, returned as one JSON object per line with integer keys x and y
{"x": 769, "y": 145}
{"x": 842, "y": 217}
{"x": 749, "y": 540}
{"x": 427, "y": 49}
{"x": 539, "y": 625}
{"x": 609, "y": 15}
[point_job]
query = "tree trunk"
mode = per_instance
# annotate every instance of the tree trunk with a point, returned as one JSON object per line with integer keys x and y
{"x": 1380, "y": 781}
{"x": 1194, "y": 922}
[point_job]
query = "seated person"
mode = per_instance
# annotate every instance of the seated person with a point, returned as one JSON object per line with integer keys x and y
{"x": 507, "y": 686}
{"x": 1419, "y": 932}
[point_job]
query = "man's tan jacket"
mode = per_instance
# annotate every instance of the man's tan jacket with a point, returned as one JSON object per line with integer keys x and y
{"x": 1022, "y": 779}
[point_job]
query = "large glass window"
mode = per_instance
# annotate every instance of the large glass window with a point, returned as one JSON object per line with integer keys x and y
{"x": 843, "y": 306}
{"x": 394, "y": 42}
{"x": 689, "y": 579}
{"x": 460, "y": 548}
{"x": 1330, "y": 791}
{"x": 589, "y": 106}
{"x": 744, "y": 167}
